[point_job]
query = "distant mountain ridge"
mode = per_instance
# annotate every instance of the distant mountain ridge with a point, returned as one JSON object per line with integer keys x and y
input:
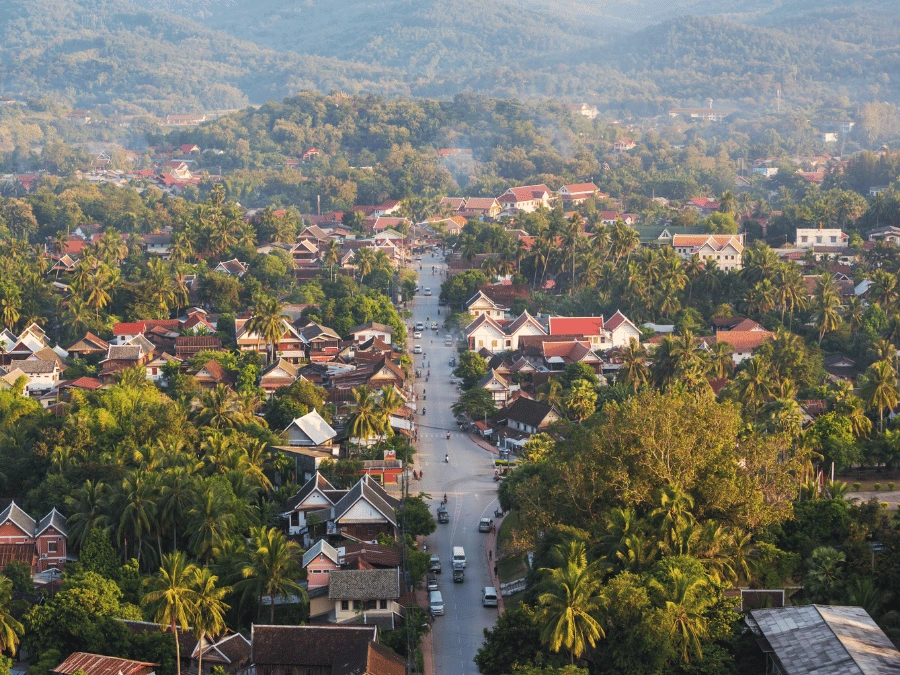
{"x": 123, "y": 57}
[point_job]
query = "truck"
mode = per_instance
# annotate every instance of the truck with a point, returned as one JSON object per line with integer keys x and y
{"x": 459, "y": 575}
{"x": 443, "y": 514}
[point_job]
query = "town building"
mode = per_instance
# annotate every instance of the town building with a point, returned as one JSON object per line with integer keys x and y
{"x": 42, "y": 544}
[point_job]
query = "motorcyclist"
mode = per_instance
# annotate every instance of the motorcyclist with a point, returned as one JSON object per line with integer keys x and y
{"x": 448, "y": 435}
{"x": 447, "y": 458}
{"x": 423, "y": 411}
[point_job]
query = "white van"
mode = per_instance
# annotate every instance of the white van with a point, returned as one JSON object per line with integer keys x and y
{"x": 489, "y": 596}
{"x": 459, "y": 556}
{"x": 436, "y": 603}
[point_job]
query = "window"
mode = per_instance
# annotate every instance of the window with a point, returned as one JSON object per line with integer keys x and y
{"x": 818, "y": 240}
{"x": 834, "y": 240}
{"x": 51, "y": 547}
{"x": 371, "y": 604}
{"x": 804, "y": 239}
{"x": 383, "y": 604}
{"x": 345, "y": 605}
{"x": 356, "y": 605}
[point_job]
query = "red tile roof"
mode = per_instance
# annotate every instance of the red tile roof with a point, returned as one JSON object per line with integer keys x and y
{"x": 581, "y": 325}
{"x": 83, "y": 382}
{"x": 95, "y": 664}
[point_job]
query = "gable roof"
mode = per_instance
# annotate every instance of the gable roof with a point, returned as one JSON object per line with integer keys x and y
{"x": 53, "y": 519}
{"x": 525, "y": 193}
{"x": 315, "y": 427}
{"x": 321, "y": 547}
{"x": 364, "y": 584}
{"x": 372, "y": 325}
{"x": 616, "y": 320}
{"x": 578, "y": 325}
{"x": 309, "y": 645}
{"x": 373, "y": 493}
{"x": 36, "y": 366}
{"x": 520, "y": 321}
{"x": 95, "y": 664}
{"x": 825, "y": 640}
{"x": 317, "y": 482}
{"x": 481, "y": 320}
{"x": 528, "y": 411}
{"x": 89, "y": 341}
{"x": 19, "y": 518}
{"x": 216, "y": 372}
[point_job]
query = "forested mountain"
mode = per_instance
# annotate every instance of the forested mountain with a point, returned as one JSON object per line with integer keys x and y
{"x": 130, "y": 58}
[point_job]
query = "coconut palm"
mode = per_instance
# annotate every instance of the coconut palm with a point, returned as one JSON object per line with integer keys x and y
{"x": 551, "y": 393}
{"x": 332, "y": 255}
{"x": 211, "y": 520}
{"x": 273, "y": 568}
{"x": 825, "y": 574}
{"x": 754, "y": 385}
{"x": 685, "y": 607}
{"x": 570, "y": 602}
{"x": 268, "y": 322}
{"x": 879, "y": 389}
{"x": 827, "y": 303}
{"x": 721, "y": 362}
{"x": 219, "y": 408}
{"x": 634, "y": 371}
{"x": 366, "y": 421}
{"x": 137, "y": 497}
{"x": 581, "y": 401}
{"x": 173, "y": 597}
{"x": 10, "y": 629}
{"x": 673, "y": 515}
{"x": 210, "y": 608}
{"x": 88, "y": 506}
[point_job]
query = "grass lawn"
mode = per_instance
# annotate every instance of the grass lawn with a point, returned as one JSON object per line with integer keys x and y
{"x": 513, "y": 601}
{"x": 512, "y": 568}
{"x": 868, "y": 484}
{"x": 504, "y": 536}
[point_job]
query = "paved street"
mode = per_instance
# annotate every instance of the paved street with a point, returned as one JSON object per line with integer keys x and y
{"x": 468, "y": 483}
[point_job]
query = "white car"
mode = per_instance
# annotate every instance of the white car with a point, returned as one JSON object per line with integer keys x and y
{"x": 417, "y": 349}
{"x": 427, "y": 291}
{"x": 417, "y": 335}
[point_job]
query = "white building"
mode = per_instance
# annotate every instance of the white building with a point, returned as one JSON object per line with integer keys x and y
{"x": 726, "y": 250}
{"x": 817, "y": 236}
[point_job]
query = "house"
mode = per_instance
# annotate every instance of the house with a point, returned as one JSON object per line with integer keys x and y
{"x": 43, "y": 375}
{"x": 525, "y": 417}
{"x": 120, "y": 357}
{"x": 316, "y": 494}
{"x": 125, "y": 332}
{"x": 481, "y": 303}
{"x": 822, "y": 639}
{"x": 703, "y": 205}
{"x": 452, "y": 203}
{"x": 372, "y": 329}
{"x": 387, "y": 207}
{"x": 485, "y": 332}
{"x": 743, "y": 338}
{"x": 810, "y": 237}
{"x": 319, "y": 342}
{"x": 280, "y": 373}
{"x": 42, "y": 544}
{"x": 527, "y": 198}
{"x": 726, "y": 250}
{"x": 583, "y": 109}
{"x": 709, "y": 114}
{"x": 558, "y": 355}
{"x": 230, "y": 652}
{"x": 621, "y": 330}
{"x": 889, "y": 234}
{"x": 311, "y": 430}
{"x": 290, "y": 346}
{"x": 233, "y": 268}
{"x": 624, "y": 145}
{"x": 184, "y": 120}
{"x": 320, "y": 650}
{"x": 95, "y": 664}
{"x": 591, "y": 327}
{"x": 365, "y": 596}
{"x": 360, "y": 513}
{"x": 841, "y": 368}
{"x": 310, "y": 154}
{"x": 481, "y": 207}
{"x": 577, "y": 193}
{"x": 498, "y": 385}
{"x": 190, "y": 149}
{"x": 158, "y": 244}
{"x": 154, "y": 367}
{"x": 187, "y": 346}
{"x": 212, "y": 374}
{"x": 177, "y": 169}
{"x": 88, "y": 345}
{"x": 319, "y": 562}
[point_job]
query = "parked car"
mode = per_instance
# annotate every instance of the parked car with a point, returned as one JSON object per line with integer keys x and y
{"x": 489, "y": 596}
{"x": 485, "y": 524}
{"x": 432, "y": 582}
{"x": 435, "y": 564}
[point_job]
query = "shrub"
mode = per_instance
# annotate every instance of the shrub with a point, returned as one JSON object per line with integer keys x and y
{"x": 856, "y": 487}
{"x": 876, "y": 487}
{"x": 891, "y": 486}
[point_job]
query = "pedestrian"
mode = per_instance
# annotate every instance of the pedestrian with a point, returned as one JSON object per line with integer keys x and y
{"x": 495, "y": 570}
{"x": 490, "y": 555}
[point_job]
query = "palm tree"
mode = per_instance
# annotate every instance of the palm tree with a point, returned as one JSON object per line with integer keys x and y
{"x": 173, "y": 596}
{"x": 138, "y": 499}
{"x": 332, "y": 255}
{"x": 88, "y": 506}
{"x": 570, "y": 602}
{"x": 634, "y": 371}
{"x": 211, "y": 520}
{"x": 673, "y": 514}
{"x": 10, "y": 629}
{"x": 366, "y": 421}
{"x": 268, "y": 322}
{"x": 827, "y": 302}
{"x": 754, "y": 385}
{"x": 685, "y": 607}
{"x": 879, "y": 389}
{"x": 721, "y": 362}
{"x": 727, "y": 203}
{"x": 365, "y": 262}
{"x": 273, "y": 567}
{"x": 219, "y": 408}
{"x": 551, "y": 393}
{"x": 824, "y": 575}
{"x": 209, "y": 616}
{"x": 573, "y": 233}
{"x": 581, "y": 401}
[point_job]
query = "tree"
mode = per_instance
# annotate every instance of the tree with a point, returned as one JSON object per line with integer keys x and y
{"x": 416, "y": 516}
{"x": 684, "y": 609}
{"x": 11, "y": 630}
{"x": 512, "y": 643}
{"x": 570, "y": 601}
{"x": 471, "y": 368}
{"x": 879, "y": 389}
{"x": 172, "y": 596}
{"x": 475, "y": 403}
{"x": 273, "y": 568}
{"x": 824, "y": 576}
{"x": 98, "y": 554}
{"x": 634, "y": 371}
{"x": 827, "y": 301}
{"x": 268, "y": 322}
{"x": 209, "y": 608}
{"x": 581, "y": 401}
{"x": 219, "y": 408}
{"x": 366, "y": 421}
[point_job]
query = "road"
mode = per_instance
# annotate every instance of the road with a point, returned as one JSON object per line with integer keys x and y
{"x": 468, "y": 483}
